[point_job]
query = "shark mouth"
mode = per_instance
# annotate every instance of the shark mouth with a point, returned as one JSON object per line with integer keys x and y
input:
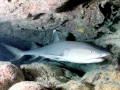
{"x": 100, "y": 59}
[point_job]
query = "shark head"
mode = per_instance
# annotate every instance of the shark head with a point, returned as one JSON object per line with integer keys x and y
{"x": 86, "y": 53}
{"x": 96, "y": 55}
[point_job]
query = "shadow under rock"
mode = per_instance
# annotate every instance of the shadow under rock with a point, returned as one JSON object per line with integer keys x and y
{"x": 70, "y": 5}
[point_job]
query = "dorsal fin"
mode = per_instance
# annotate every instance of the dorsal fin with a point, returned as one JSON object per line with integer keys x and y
{"x": 55, "y": 36}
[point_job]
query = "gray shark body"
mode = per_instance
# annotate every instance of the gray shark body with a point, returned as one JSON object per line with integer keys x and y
{"x": 71, "y": 51}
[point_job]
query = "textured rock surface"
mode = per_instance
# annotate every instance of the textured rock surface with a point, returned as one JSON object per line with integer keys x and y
{"x": 116, "y": 2}
{"x": 32, "y": 17}
{"x": 107, "y": 86}
{"x": 47, "y": 74}
{"x": 32, "y": 85}
{"x": 70, "y": 16}
{"x": 75, "y": 85}
{"x": 103, "y": 79}
{"x": 17, "y": 10}
{"x": 40, "y": 76}
{"x": 9, "y": 75}
{"x": 27, "y": 85}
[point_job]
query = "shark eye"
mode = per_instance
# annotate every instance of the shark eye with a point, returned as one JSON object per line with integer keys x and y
{"x": 91, "y": 52}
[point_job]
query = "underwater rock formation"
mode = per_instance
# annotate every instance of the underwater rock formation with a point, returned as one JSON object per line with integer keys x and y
{"x": 26, "y": 21}
{"x": 103, "y": 79}
{"x": 40, "y": 76}
{"x": 107, "y": 86}
{"x": 27, "y": 85}
{"x": 47, "y": 74}
{"x": 9, "y": 75}
{"x": 47, "y": 77}
{"x": 75, "y": 85}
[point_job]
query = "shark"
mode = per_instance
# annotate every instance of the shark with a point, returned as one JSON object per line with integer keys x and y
{"x": 70, "y": 51}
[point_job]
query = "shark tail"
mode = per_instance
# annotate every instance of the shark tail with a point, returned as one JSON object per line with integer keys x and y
{"x": 18, "y": 53}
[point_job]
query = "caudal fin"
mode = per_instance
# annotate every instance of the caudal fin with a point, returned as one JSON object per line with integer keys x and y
{"x": 18, "y": 53}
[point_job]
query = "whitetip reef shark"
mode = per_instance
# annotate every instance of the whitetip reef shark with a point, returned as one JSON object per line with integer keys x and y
{"x": 70, "y": 51}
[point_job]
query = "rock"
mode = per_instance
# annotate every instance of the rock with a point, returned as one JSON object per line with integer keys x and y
{"x": 27, "y": 85}
{"x": 75, "y": 85}
{"x": 103, "y": 79}
{"x": 50, "y": 76}
{"x": 17, "y": 10}
{"x": 77, "y": 17}
{"x": 116, "y": 2}
{"x": 9, "y": 75}
{"x": 107, "y": 86}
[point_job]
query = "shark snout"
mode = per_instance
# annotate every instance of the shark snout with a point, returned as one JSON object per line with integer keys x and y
{"x": 105, "y": 54}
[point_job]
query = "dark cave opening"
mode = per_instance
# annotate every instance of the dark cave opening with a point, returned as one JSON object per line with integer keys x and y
{"x": 110, "y": 13}
{"x": 106, "y": 11}
{"x": 70, "y": 5}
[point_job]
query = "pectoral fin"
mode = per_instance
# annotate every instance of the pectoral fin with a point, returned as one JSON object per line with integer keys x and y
{"x": 33, "y": 57}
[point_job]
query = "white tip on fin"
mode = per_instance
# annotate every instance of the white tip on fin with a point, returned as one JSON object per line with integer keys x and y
{"x": 55, "y": 36}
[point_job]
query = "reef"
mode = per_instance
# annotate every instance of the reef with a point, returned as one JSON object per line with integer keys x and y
{"x": 91, "y": 21}
{"x": 41, "y": 76}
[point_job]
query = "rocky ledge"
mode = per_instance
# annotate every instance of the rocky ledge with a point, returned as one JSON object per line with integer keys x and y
{"x": 40, "y": 76}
